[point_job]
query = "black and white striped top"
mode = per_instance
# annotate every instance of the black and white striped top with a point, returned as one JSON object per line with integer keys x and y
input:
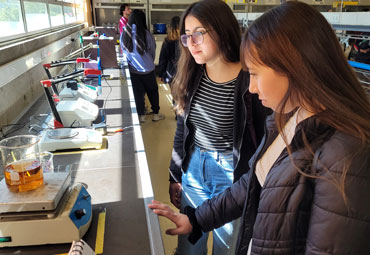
{"x": 211, "y": 114}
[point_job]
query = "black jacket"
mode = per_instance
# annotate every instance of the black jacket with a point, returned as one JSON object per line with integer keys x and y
{"x": 168, "y": 58}
{"x": 295, "y": 214}
{"x": 249, "y": 118}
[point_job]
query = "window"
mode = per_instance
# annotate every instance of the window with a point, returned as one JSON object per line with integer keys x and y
{"x": 80, "y": 14}
{"x": 69, "y": 14}
{"x": 56, "y": 15}
{"x": 80, "y": 10}
{"x": 19, "y": 17}
{"x": 11, "y": 21}
{"x": 36, "y": 16}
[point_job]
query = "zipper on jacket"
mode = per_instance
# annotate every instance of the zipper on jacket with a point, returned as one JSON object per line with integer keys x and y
{"x": 263, "y": 149}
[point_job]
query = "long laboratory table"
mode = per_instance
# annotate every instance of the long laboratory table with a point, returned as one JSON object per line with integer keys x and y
{"x": 117, "y": 177}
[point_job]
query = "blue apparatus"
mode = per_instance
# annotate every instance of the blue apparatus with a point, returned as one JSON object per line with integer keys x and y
{"x": 359, "y": 65}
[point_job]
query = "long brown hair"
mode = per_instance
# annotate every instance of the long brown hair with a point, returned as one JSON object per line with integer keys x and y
{"x": 296, "y": 40}
{"x": 174, "y": 29}
{"x": 137, "y": 17}
{"x": 216, "y": 16}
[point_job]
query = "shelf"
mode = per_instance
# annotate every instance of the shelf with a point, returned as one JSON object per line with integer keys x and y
{"x": 354, "y": 21}
{"x": 167, "y": 10}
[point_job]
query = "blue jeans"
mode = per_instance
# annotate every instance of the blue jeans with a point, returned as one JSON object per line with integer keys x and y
{"x": 208, "y": 174}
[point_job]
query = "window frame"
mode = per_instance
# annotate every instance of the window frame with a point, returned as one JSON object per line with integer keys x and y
{"x": 31, "y": 34}
{"x": 61, "y": 7}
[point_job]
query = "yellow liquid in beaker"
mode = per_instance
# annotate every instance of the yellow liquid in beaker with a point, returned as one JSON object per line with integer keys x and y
{"x": 24, "y": 175}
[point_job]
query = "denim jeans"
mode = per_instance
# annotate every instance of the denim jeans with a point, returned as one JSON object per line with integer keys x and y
{"x": 208, "y": 174}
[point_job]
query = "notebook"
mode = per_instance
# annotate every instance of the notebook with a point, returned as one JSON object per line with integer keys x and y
{"x": 80, "y": 248}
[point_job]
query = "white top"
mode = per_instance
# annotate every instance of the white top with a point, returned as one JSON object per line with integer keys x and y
{"x": 274, "y": 150}
{"x": 265, "y": 163}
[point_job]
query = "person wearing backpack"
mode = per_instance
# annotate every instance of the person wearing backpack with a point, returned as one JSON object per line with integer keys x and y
{"x": 170, "y": 52}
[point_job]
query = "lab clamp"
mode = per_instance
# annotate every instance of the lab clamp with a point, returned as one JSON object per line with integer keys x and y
{"x": 78, "y": 122}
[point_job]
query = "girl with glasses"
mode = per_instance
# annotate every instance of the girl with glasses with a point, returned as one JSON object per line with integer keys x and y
{"x": 218, "y": 121}
{"x": 308, "y": 187}
{"x": 138, "y": 45}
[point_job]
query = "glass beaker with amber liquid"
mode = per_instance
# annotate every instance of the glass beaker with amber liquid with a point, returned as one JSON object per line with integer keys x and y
{"x": 21, "y": 162}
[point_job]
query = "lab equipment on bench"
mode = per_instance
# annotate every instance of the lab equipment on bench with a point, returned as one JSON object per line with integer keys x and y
{"x": 82, "y": 113}
{"x": 74, "y": 90}
{"x": 77, "y": 113}
{"x": 57, "y": 212}
{"x": 359, "y": 65}
{"x": 72, "y": 113}
{"x": 57, "y": 63}
{"x": 70, "y": 138}
{"x": 87, "y": 92}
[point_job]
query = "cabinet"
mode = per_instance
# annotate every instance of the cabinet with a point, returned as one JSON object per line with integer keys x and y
{"x": 158, "y": 42}
{"x": 106, "y": 12}
{"x": 161, "y": 11}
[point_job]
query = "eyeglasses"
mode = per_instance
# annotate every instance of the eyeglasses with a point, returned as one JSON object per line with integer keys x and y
{"x": 197, "y": 38}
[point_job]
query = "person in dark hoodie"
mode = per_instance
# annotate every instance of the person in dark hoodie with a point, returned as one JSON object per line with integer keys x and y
{"x": 307, "y": 188}
{"x": 170, "y": 52}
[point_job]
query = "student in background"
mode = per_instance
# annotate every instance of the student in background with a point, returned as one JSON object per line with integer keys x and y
{"x": 170, "y": 52}
{"x": 138, "y": 45}
{"x": 362, "y": 50}
{"x": 218, "y": 119}
{"x": 125, "y": 12}
{"x": 307, "y": 190}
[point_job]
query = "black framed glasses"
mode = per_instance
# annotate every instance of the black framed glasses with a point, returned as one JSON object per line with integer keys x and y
{"x": 197, "y": 38}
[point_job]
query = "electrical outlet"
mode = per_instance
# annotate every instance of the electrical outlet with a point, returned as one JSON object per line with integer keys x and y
{"x": 43, "y": 54}
{"x": 336, "y": 18}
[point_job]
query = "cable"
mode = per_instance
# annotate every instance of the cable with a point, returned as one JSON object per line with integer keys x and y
{"x": 110, "y": 91}
{"x": 4, "y": 135}
{"x": 79, "y": 124}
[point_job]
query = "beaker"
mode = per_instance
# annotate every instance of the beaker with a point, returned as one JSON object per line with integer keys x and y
{"x": 21, "y": 161}
{"x": 47, "y": 164}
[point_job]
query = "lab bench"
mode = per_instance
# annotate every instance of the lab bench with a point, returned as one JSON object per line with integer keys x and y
{"x": 117, "y": 177}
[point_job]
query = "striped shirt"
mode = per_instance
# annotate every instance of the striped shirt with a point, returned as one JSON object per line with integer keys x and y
{"x": 212, "y": 113}
{"x": 122, "y": 23}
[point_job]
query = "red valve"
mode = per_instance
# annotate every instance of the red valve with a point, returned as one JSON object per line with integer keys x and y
{"x": 82, "y": 60}
{"x": 56, "y": 98}
{"x": 57, "y": 124}
{"x": 46, "y": 83}
{"x": 92, "y": 72}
